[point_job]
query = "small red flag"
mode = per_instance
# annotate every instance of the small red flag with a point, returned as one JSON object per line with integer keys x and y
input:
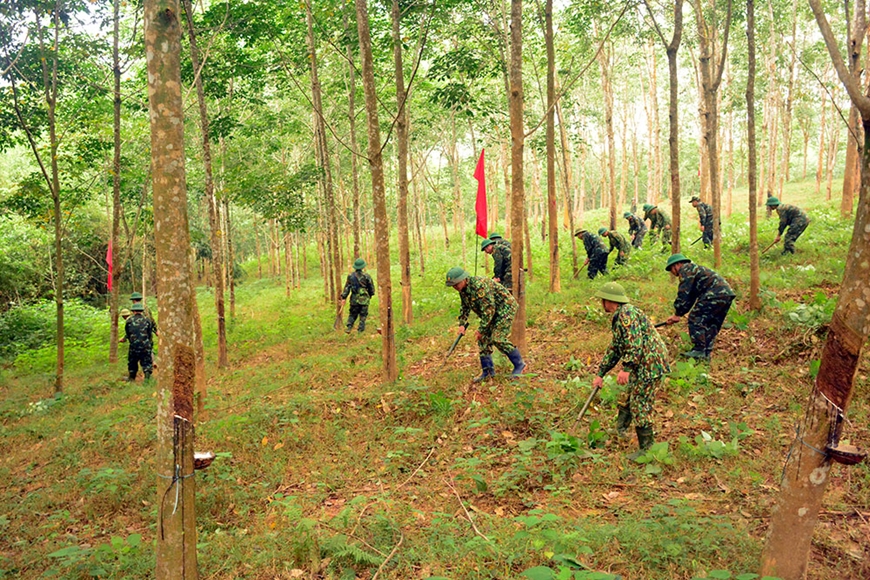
{"x": 480, "y": 204}
{"x": 109, "y": 262}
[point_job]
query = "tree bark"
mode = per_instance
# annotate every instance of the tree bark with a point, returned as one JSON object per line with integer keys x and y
{"x": 605, "y": 64}
{"x": 552, "y": 207}
{"x": 351, "y": 105}
{"x": 213, "y": 216}
{"x": 754, "y": 283}
{"x": 569, "y": 186}
{"x": 176, "y": 536}
{"x": 116, "y": 182}
{"x": 382, "y": 229}
{"x": 402, "y": 163}
{"x": 515, "y": 109}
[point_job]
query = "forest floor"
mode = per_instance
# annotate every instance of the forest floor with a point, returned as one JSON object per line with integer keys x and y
{"x": 325, "y": 472}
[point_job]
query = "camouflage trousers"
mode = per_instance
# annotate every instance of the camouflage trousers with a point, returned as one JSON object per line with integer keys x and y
{"x": 361, "y": 310}
{"x": 639, "y": 398}
{"x": 705, "y": 321}
{"x": 793, "y": 232}
{"x": 499, "y": 335}
{"x": 621, "y": 258}
{"x": 637, "y": 241}
{"x": 708, "y": 234}
{"x": 666, "y": 236}
{"x": 597, "y": 265}
{"x": 137, "y": 357}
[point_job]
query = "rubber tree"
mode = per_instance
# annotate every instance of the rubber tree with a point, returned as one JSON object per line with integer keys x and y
{"x": 515, "y": 109}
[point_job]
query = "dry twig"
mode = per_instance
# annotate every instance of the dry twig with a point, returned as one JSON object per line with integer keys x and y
{"x": 389, "y": 556}
{"x": 449, "y": 483}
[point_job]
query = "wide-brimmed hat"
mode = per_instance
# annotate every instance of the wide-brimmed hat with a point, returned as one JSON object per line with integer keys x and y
{"x": 136, "y": 296}
{"x": 612, "y": 291}
{"x": 455, "y": 276}
{"x": 485, "y": 244}
{"x": 138, "y": 307}
{"x": 772, "y": 202}
{"x": 359, "y": 264}
{"x": 675, "y": 259}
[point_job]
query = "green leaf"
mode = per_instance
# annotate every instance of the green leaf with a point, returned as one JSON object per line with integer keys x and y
{"x": 746, "y": 576}
{"x": 719, "y": 574}
{"x": 539, "y": 573}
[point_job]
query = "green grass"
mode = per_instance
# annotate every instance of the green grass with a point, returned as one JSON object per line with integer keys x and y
{"x": 324, "y": 469}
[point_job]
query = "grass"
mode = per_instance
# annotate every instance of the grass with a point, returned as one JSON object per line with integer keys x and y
{"x": 324, "y": 472}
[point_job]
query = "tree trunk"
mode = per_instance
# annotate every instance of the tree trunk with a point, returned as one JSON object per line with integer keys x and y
{"x": 379, "y": 204}
{"x": 605, "y": 64}
{"x": 552, "y": 207}
{"x": 118, "y": 265}
{"x": 569, "y": 186}
{"x": 402, "y": 162}
{"x": 820, "y": 166}
{"x": 851, "y": 172}
{"x": 213, "y": 219}
{"x": 754, "y": 284}
{"x": 518, "y": 217}
{"x": 789, "y": 103}
{"x": 351, "y": 105}
{"x": 176, "y": 536}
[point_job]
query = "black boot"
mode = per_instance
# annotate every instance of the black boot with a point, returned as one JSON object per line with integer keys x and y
{"x": 645, "y": 440}
{"x": 488, "y": 369}
{"x": 131, "y": 376}
{"x": 515, "y": 357}
{"x": 147, "y": 376}
{"x": 623, "y": 420}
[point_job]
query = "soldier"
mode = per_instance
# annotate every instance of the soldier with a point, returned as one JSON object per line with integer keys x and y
{"x": 499, "y": 240}
{"x": 125, "y": 314}
{"x": 137, "y": 331}
{"x": 496, "y": 308}
{"x": 361, "y": 288}
{"x": 709, "y": 298}
{"x": 136, "y": 298}
{"x": 659, "y": 223}
{"x": 618, "y": 243}
{"x": 636, "y": 229}
{"x": 596, "y": 253}
{"x": 501, "y": 256}
{"x": 705, "y": 219}
{"x": 791, "y": 217}
{"x": 644, "y": 364}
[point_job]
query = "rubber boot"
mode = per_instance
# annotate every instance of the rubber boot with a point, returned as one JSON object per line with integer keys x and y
{"x": 696, "y": 354}
{"x": 487, "y": 367}
{"x": 147, "y": 376}
{"x": 131, "y": 377}
{"x": 515, "y": 357}
{"x": 645, "y": 440}
{"x": 623, "y": 420}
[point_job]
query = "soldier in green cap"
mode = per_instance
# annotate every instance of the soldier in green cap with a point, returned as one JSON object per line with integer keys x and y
{"x": 791, "y": 217}
{"x": 496, "y": 308}
{"x": 501, "y": 256}
{"x": 659, "y": 224}
{"x": 137, "y": 331}
{"x": 636, "y": 229}
{"x": 644, "y": 359}
{"x": 707, "y": 295}
{"x": 596, "y": 253}
{"x": 705, "y": 219}
{"x": 136, "y": 298}
{"x": 360, "y": 287}
{"x": 618, "y": 243}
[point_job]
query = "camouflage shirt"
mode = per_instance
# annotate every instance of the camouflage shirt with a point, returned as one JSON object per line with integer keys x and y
{"x": 489, "y": 300}
{"x": 360, "y": 287}
{"x": 618, "y": 242}
{"x": 637, "y": 343}
{"x": 790, "y": 215}
{"x": 138, "y": 331}
{"x": 635, "y": 224}
{"x": 594, "y": 246}
{"x": 657, "y": 220}
{"x": 699, "y": 283}
{"x": 501, "y": 256}
{"x": 705, "y": 214}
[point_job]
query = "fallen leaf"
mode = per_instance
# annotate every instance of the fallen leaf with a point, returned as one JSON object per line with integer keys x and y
{"x": 265, "y": 441}
{"x": 278, "y": 446}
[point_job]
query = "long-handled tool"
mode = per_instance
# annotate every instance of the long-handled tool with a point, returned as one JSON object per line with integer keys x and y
{"x": 453, "y": 346}
{"x": 337, "y": 324}
{"x": 586, "y": 406}
{"x": 698, "y": 240}
{"x": 768, "y": 247}
{"x": 660, "y": 324}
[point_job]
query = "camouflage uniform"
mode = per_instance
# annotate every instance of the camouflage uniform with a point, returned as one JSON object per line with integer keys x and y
{"x": 501, "y": 256}
{"x": 660, "y": 223}
{"x": 637, "y": 230}
{"x": 138, "y": 330}
{"x": 705, "y": 217}
{"x": 644, "y": 356}
{"x": 709, "y": 298}
{"x": 597, "y": 254}
{"x": 361, "y": 288}
{"x": 621, "y": 245}
{"x": 496, "y": 308}
{"x": 796, "y": 220}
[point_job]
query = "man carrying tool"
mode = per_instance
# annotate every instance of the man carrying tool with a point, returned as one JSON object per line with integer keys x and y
{"x": 137, "y": 331}
{"x": 636, "y": 229}
{"x": 361, "y": 288}
{"x": 659, "y": 224}
{"x": 501, "y": 256}
{"x": 705, "y": 219}
{"x": 618, "y": 243}
{"x": 596, "y": 253}
{"x": 496, "y": 308}
{"x": 644, "y": 359}
{"x": 707, "y": 295}
{"x": 791, "y": 217}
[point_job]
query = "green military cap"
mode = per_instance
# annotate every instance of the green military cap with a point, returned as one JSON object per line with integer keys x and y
{"x": 676, "y": 259}
{"x": 627, "y": 214}
{"x": 580, "y": 233}
{"x": 359, "y": 264}
{"x": 602, "y": 231}
{"x": 138, "y": 307}
{"x": 455, "y": 276}
{"x": 495, "y": 236}
{"x": 647, "y": 207}
{"x": 612, "y": 291}
{"x": 694, "y": 198}
{"x": 485, "y": 244}
{"x": 125, "y": 313}
{"x": 772, "y": 202}
{"x": 135, "y": 296}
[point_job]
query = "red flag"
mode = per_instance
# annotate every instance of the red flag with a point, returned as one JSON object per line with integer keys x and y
{"x": 109, "y": 262}
{"x": 480, "y": 204}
